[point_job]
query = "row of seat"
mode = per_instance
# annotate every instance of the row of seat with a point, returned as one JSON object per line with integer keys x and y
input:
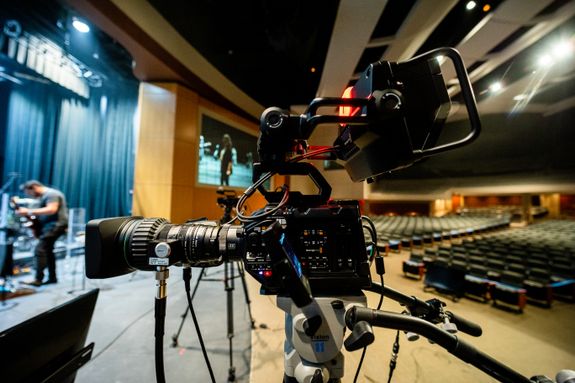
{"x": 400, "y": 227}
{"x": 500, "y": 263}
{"x": 401, "y": 232}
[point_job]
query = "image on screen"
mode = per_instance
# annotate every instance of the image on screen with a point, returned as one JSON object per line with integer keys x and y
{"x": 226, "y": 154}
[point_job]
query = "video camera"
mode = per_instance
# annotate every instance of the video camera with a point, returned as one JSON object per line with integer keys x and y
{"x": 309, "y": 250}
{"x": 396, "y": 113}
{"x": 229, "y": 199}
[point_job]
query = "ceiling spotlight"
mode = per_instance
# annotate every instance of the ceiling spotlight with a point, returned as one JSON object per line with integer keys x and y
{"x": 520, "y": 97}
{"x": 470, "y": 5}
{"x": 486, "y": 8}
{"x": 80, "y": 25}
{"x": 312, "y": 69}
{"x": 545, "y": 61}
{"x": 562, "y": 49}
{"x": 495, "y": 87}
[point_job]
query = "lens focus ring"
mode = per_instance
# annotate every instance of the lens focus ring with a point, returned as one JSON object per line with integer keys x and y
{"x": 144, "y": 233}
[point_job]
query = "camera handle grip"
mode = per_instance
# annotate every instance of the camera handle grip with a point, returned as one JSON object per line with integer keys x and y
{"x": 465, "y": 325}
{"x": 459, "y": 348}
{"x": 468, "y": 98}
{"x": 419, "y": 308}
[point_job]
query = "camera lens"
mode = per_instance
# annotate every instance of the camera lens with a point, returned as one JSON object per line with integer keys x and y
{"x": 201, "y": 244}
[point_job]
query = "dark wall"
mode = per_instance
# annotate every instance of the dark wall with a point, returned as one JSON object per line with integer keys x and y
{"x": 399, "y": 208}
{"x": 525, "y": 148}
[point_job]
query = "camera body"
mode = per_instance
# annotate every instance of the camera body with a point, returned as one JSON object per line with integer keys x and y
{"x": 326, "y": 241}
{"x": 325, "y": 244}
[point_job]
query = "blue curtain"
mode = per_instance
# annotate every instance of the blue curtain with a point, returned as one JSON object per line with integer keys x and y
{"x": 83, "y": 147}
{"x": 30, "y": 130}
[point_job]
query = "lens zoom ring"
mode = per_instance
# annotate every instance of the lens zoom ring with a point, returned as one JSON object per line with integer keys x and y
{"x": 143, "y": 234}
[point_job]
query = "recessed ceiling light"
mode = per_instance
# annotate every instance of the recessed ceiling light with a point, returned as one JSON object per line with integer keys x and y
{"x": 80, "y": 25}
{"x": 495, "y": 87}
{"x": 486, "y": 8}
{"x": 470, "y": 5}
{"x": 562, "y": 49}
{"x": 545, "y": 61}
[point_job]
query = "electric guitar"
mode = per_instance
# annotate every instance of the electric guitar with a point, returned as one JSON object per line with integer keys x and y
{"x": 30, "y": 221}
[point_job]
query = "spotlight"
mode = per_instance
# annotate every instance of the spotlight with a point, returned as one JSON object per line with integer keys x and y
{"x": 80, "y": 25}
{"x": 545, "y": 61}
{"x": 12, "y": 28}
{"x": 486, "y": 8}
{"x": 470, "y": 5}
{"x": 562, "y": 49}
{"x": 495, "y": 87}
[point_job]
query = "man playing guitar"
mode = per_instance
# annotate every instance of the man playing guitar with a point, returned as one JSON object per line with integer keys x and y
{"x": 52, "y": 219}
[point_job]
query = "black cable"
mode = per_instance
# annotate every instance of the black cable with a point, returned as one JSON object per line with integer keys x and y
{"x": 359, "y": 365}
{"x": 251, "y": 190}
{"x": 394, "y": 355}
{"x": 365, "y": 348}
{"x": 373, "y": 230}
{"x": 160, "y": 316}
{"x": 381, "y": 294}
{"x": 187, "y": 275}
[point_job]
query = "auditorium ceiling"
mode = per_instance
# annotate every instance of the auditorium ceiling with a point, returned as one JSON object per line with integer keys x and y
{"x": 248, "y": 55}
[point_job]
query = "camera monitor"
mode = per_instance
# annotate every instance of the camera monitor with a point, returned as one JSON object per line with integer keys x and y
{"x": 49, "y": 347}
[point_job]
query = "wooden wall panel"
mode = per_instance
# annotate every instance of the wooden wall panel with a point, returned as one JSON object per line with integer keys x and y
{"x": 167, "y": 155}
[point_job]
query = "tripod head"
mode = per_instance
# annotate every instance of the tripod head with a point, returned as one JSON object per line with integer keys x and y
{"x": 228, "y": 202}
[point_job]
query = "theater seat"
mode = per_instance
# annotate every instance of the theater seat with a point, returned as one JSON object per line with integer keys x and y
{"x": 538, "y": 286}
{"x": 509, "y": 291}
{"x": 440, "y": 276}
{"x": 414, "y": 267}
{"x": 477, "y": 285}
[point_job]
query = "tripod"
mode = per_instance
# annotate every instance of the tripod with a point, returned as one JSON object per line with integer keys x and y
{"x": 229, "y": 287}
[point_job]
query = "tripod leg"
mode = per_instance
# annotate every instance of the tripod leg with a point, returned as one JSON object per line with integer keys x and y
{"x": 246, "y": 294}
{"x": 185, "y": 314}
{"x": 229, "y": 286}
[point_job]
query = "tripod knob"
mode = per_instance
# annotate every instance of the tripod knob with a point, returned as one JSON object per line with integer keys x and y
{"x": 361, "y": 336}
{"x": 311, "y": 325}
{"x": 317, "y": 377}
{"x": 411, "y": 336}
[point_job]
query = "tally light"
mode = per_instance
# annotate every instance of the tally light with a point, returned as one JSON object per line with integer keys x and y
{"x": 80, "y": 25}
